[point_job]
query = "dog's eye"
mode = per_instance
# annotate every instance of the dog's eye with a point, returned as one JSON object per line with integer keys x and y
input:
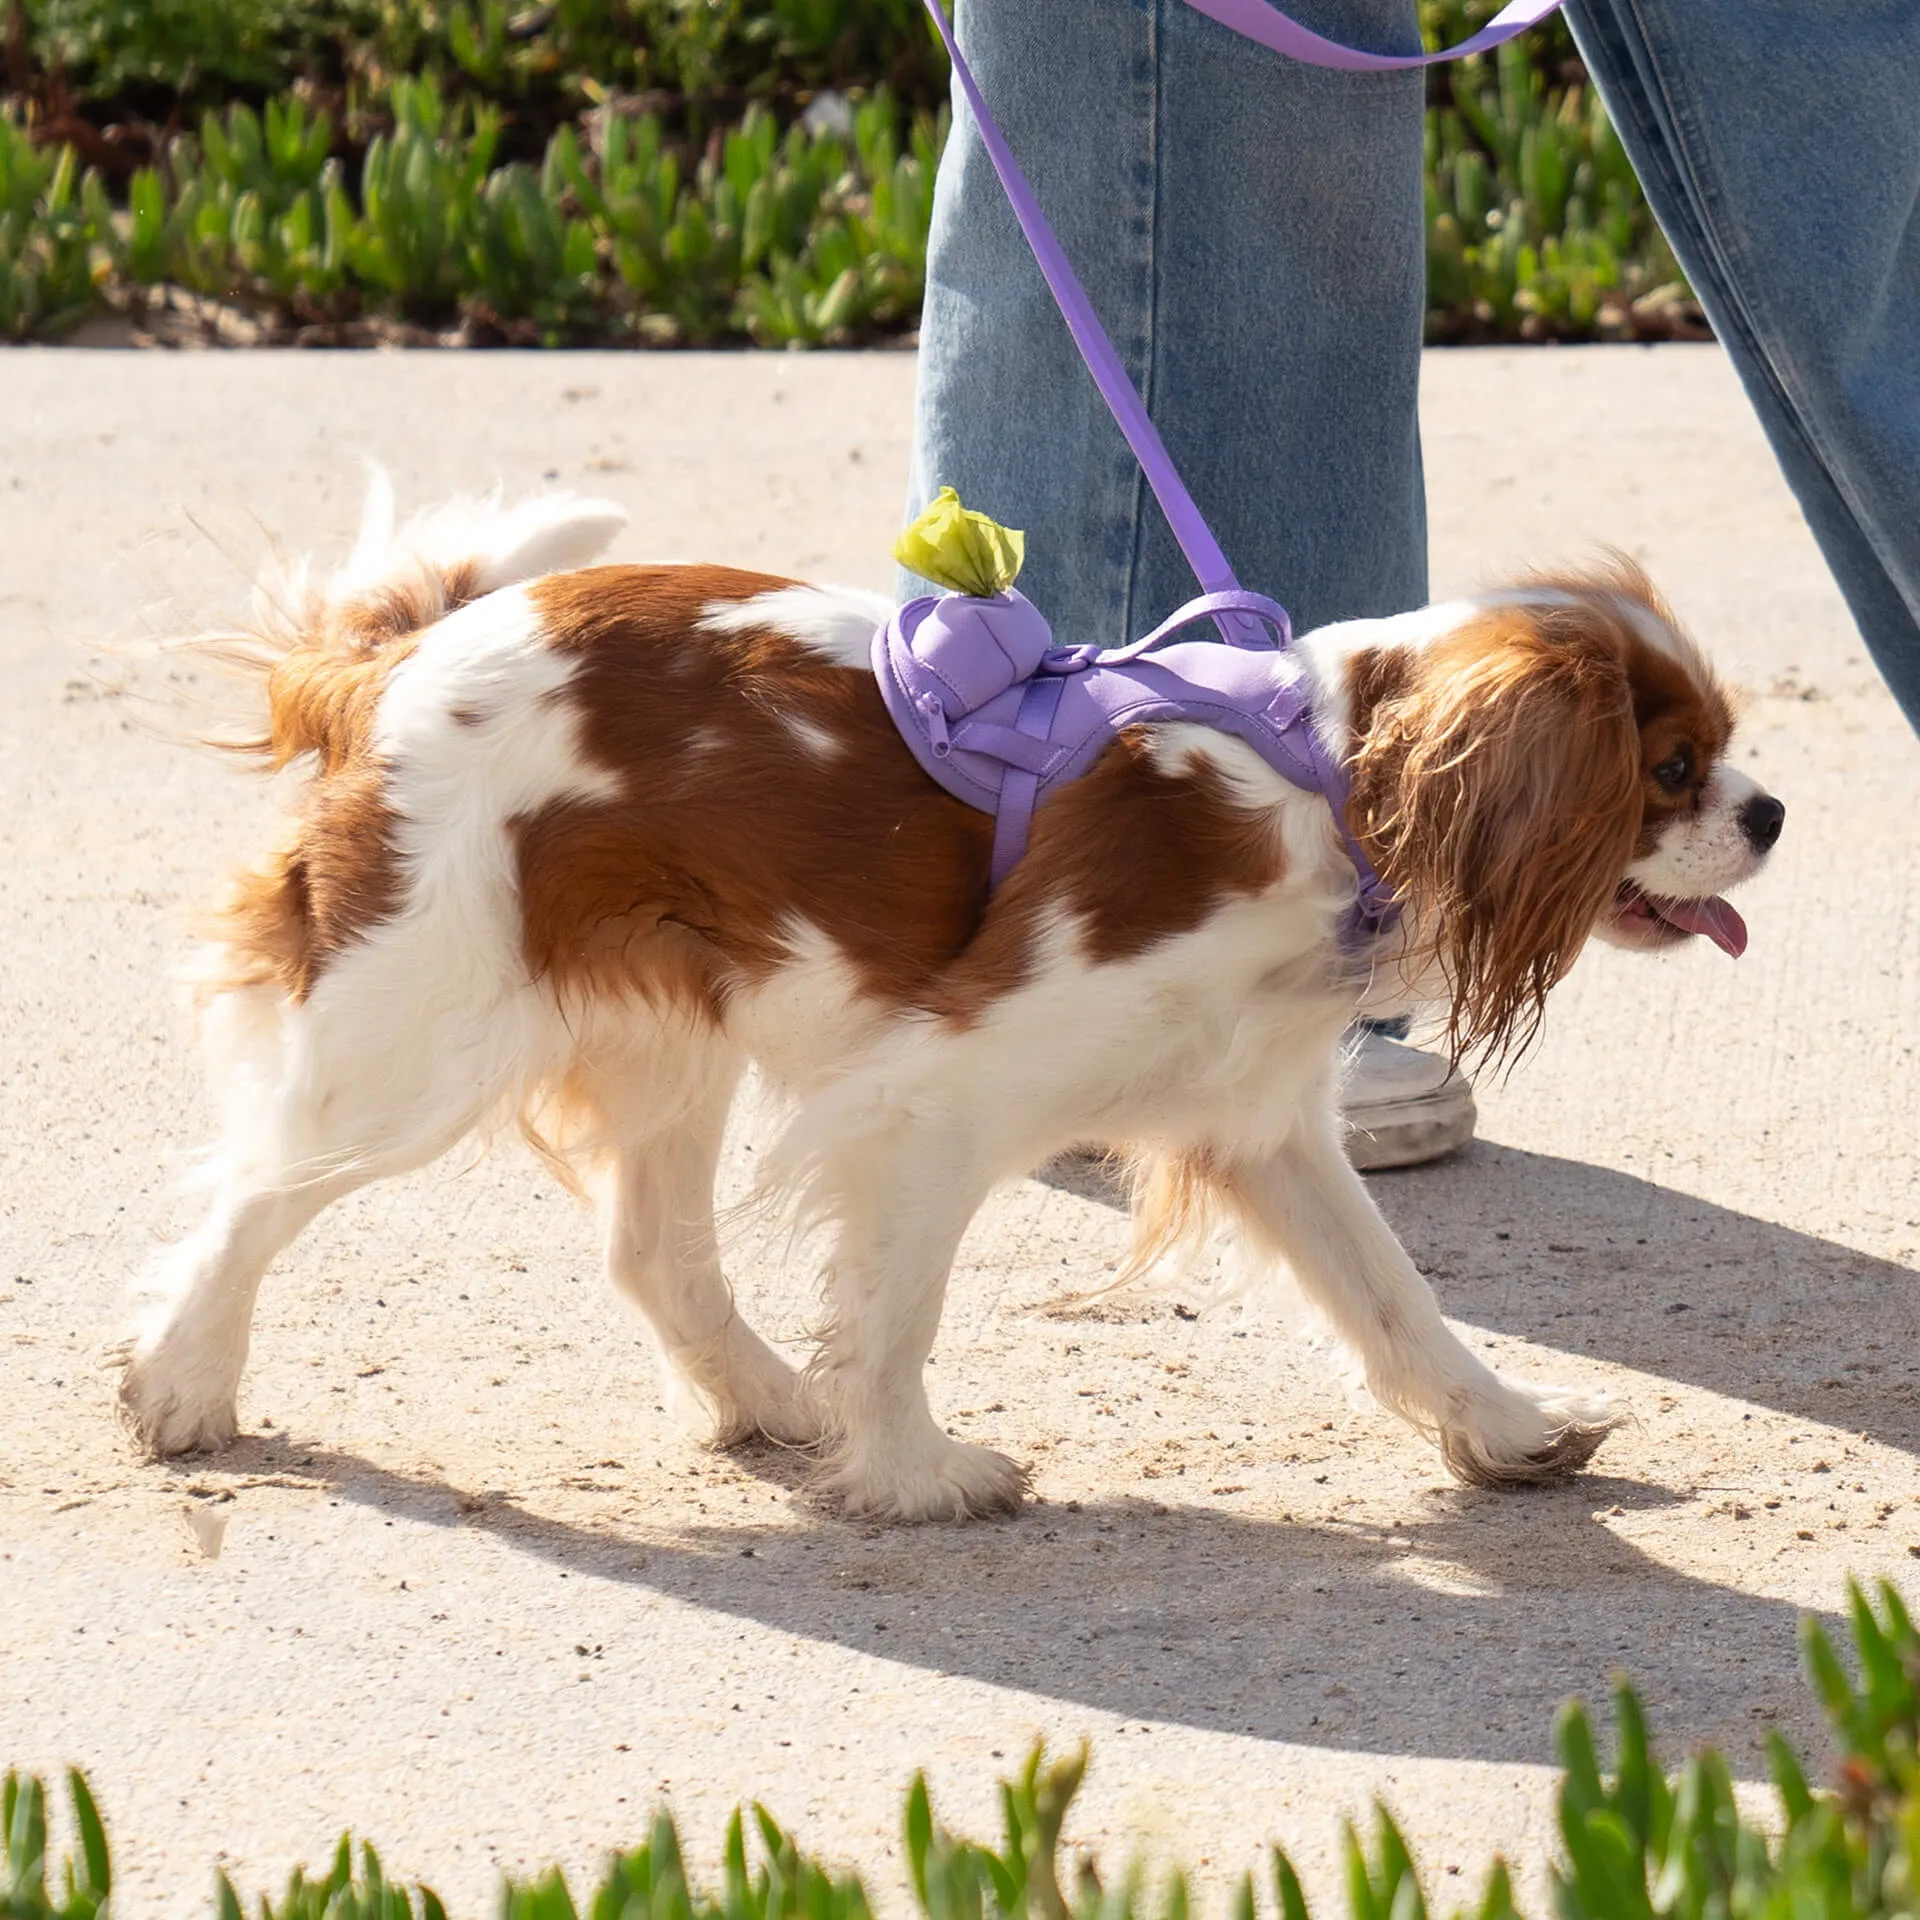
{"x": 1674, "y": 774}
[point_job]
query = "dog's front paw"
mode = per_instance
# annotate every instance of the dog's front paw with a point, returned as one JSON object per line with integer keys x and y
{"x": 1526, "y": 1436}
{"x": 934, "y": 1478}
{"x": 170, "y": 1407}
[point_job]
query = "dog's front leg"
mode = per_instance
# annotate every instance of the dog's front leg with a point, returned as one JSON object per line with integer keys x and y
{"x": 901, "y": 1207}
{"x": 1309, "y": 1206}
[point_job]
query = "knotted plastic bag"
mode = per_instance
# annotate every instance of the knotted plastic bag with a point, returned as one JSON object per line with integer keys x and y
{"x": 962, "y": 551}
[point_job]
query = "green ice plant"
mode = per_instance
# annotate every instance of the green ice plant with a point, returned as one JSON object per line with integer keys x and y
{"x": 421, "y": 192}
{"x": 80, "y": 1890}
{"x": 454, "y": 176}
{"x": 532, "y": 260}
{"x": 859, "y": 262}
{"x": 108, "y": 48}
{"x": 673, "y": 244}
{"x": 166, "y": 58}
{"x": 1536, "y": 228}
{"x": 795, "y": 238}
{"x": 51, "y": 215}
{"x": 253, "y": 213}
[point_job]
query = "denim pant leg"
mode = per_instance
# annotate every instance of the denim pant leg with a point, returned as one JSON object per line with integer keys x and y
{"x": 1779, "y": 145}
{"x": 1250, "y": 232}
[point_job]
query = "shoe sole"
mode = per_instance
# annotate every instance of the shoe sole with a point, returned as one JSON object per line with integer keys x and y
{"x": 1410, "y": 1133}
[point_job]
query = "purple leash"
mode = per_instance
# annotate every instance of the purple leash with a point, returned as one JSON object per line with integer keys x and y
{"x": 1256, "y": 20}
{"x": 997, "y": 715}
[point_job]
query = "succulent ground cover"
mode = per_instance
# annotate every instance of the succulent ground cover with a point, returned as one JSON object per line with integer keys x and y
{"x": 647, "y": 172}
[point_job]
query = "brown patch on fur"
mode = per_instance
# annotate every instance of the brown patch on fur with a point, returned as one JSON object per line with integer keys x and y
{"x": 321, "y": 701}
{"x": 374, "y": 620}
{"x": 1376, "y": 675}
{"x": 1678, "y": 701}
{"x": 734, "y": 829}
{"x": 260, "y": 923}
{"x": 1141, "y": 855}
{"x": 335, "y": 878}
{"x": 1501, "y": 794}
{"x": 334, "y": 874}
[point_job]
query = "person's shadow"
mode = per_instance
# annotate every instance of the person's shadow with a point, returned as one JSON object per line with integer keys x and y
{"x": 1458, "y": 1633}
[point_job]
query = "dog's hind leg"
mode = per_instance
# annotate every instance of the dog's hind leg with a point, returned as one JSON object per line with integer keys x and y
{"x": 655, "y": 1180}
{"x": 1309, "y": 1206}
{"x": 323, "y": 1096}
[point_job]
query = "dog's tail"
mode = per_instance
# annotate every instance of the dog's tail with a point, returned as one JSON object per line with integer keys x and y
{"x": 319, "y": 650}
{"x": 310, "y": 671}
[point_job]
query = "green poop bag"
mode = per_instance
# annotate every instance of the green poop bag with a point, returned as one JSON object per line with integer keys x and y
{"x": 962, "y": 551}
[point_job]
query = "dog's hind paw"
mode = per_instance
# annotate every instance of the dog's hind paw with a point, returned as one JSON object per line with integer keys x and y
{"x": 940, "y": 1479}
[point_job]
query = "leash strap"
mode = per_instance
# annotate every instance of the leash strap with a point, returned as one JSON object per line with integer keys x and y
{"x": 1256, "y": 20}
{"x": 1196, "y": 539}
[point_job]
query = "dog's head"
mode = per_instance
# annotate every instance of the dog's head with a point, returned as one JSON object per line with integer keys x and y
{"x": 1551, "y": 764}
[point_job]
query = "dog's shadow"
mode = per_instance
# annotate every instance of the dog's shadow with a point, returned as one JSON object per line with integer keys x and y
{"x": 1457, "y": 1632}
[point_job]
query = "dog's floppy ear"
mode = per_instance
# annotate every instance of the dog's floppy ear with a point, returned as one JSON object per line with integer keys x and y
{"x": 1499, "y": 794}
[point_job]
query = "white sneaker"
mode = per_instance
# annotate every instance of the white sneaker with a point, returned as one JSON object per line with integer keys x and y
{"x": 1402, "y": 1107}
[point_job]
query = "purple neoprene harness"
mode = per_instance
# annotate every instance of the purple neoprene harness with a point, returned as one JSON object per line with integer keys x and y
{"x": 994, "y": 711}
{"x": 999, "y": 715}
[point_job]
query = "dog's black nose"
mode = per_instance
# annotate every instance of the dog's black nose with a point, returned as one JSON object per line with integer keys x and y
{"x": 1760, "y": 820}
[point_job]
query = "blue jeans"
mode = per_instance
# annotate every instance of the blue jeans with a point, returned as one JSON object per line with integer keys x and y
{"x": 1250, "y": 231}
{"x": 1779, "y": 145}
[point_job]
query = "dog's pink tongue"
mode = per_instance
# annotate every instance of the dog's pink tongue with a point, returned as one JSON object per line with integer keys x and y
{"x": 1714, "y": 918}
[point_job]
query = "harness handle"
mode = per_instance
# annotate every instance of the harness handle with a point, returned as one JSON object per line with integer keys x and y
{"x": 1252, "y": 611}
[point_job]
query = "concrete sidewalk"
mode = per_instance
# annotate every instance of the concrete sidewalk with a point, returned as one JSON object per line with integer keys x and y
{"x": 481, "y": 1601}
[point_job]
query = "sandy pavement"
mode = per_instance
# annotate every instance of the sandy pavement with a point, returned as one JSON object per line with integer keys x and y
{"x": 477, "y": 1596}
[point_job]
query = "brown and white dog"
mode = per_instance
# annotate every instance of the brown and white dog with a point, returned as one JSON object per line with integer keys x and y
{"x": 582, "y": 846}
